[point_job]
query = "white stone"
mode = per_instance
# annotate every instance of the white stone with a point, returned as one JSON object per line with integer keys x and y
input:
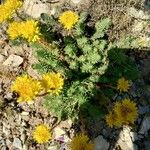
{"x": 13, "y": 60}
{"x": 125, "y": 140}
{"x": 25, "y": 113}
{"x": 34, "y": 9}
{"x": 138, "y": 14}
{"x": 100, "y": 143}
{"x": 17, "y": 143}
{"x": 76, "y": 1}
{"x": 145, "y": 126}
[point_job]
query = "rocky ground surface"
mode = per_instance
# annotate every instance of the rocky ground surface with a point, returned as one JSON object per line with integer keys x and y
{"x": 18, "y": 121}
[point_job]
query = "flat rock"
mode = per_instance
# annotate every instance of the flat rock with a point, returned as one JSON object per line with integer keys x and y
{"x": 100, "y": 143}
{"x": 138, "y": 14}
{"x": 145, "y": 126}
{"x": 34, "y": 9}
{"x": 144, "y": 109}
{"x": 125, "y": 140}
{"x": 13, "y": 60}
{"x": 76, "y": 1}
{"x": 17, "y": 143}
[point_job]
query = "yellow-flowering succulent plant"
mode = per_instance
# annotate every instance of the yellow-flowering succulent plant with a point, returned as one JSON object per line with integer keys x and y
{"x": 68, "y": 19}
{"x": 81, "y": 142}
{"x": 123, "y": 85}
{"x": 42, "y": 134}
{"x": 52, "y": 82}
{"x": 8, "y": 9}
{"x": 28, "y": 30}
{"x": 124, "y": 113}
{"x": 26, "y": 87}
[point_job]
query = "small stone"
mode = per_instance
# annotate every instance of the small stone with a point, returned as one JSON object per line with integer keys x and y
{"x": 53, "y": 147}
{"x": 100, "y": 143}
{"x": 13, "y": 60}
{"x": 76, "y": 1}
{"x": 144, "y": 109}
{"x": 24, "y": 113}
{"x": 35, "y": 9}
{"x": 125, "y": 141}
{"x": 17, "y": 143}
{"x": 134, "y": 136}
{"x": 138, "y": 14}
{"x": 145, "y": 126}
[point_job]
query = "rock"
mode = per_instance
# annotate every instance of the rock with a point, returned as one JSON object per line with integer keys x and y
{"x": 134, "y": 136}
{"x": 13, "y": 60}
{"x": 53, "y": 147}
{"x": 144, "y": 109}
{"x": 25, "y": 113}
{"x": 125, "y": 141}
{"x": 100, "y": 143}
{"x": 2, "y": 58}
{"x": 147, "y": 144}
{"x": 34, "y": 9}
{"x": 76, "y": 1}
{"x": 147, "y": 4}
{"x": 138, "y": 14}
{"x": 145, "y": 126}
{"x": 17, "y": 143}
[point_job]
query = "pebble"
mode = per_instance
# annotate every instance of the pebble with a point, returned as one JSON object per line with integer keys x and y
{"x": 17, "y": 143}
{"x": 138, "y": 14}
{"x": 100, "y": 143}
{"x": 34, "y": 9}
{"x": 145, "y": 126}
{"x": 13, "y": 60}
{"x": 144, "y": 109}
{"x": 125, "y": 140}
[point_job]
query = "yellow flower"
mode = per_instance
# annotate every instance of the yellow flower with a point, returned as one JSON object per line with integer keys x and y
{"x": 81, "y": 142}
{"x": 123, "y": 85}
{"x": 112, "y": 119}
{"x": 14, "y": 30}
{"x": 68, "y": 19}
{"x": 8, "y": 9}
{"x": 26, "y": 87}
{"x": 42, "y": 134}
{"x": 127, "y": 111}
{"x": 52, "y": 82}
{"x": 30, "y": 30}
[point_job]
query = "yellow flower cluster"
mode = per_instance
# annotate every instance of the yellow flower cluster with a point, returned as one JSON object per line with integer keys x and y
{"x": 28, "y": 30}
{"x": 42, "y": 134}
{"x": 123, "y": 85}
{"x": 8, "y": 9}
{"x": 52, "y": 82}
{"x": 26, "y": 87}
{"x": 124, "y": 113}
{"x": 81, "y": 142}
{"x": 68, "y": 19}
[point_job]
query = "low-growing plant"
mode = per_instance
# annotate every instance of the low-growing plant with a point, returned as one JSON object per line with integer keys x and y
{"x": 82, "y": 57}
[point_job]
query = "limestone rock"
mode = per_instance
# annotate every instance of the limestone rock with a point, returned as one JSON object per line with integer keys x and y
{"x": 138, "y": 14}
{"x": 17, "y": 143}
{"x": 125, "y": 140}
{"x": 145, "y": 126}
{"x": 35, "y": 9}
{"x": 13, "y": 60}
